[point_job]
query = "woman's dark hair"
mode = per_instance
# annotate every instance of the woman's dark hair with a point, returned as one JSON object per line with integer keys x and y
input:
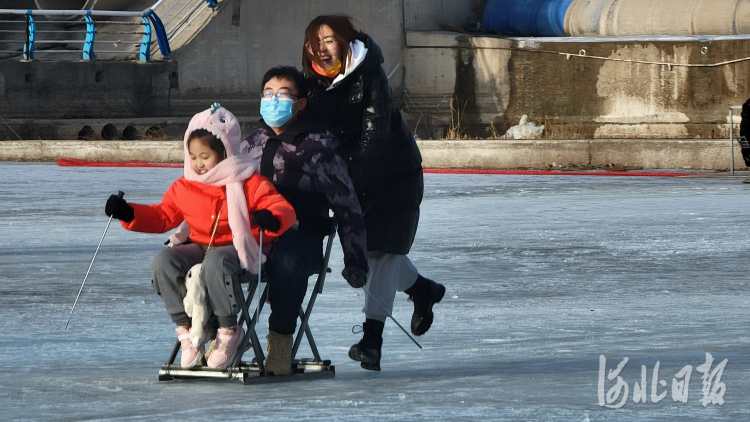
{"x": 209, "y": 139}
{"x": 289, "y": 73}
{"x": 343, "y": 31}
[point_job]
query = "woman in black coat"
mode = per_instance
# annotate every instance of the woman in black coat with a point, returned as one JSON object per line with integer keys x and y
{"x": 349, "y": 94}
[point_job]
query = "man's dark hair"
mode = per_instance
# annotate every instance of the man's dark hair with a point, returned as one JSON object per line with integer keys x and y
{"x": 289, "y": 73}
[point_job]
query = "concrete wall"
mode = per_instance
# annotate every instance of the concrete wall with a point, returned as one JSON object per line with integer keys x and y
{"x": 228, "y": 58}
{"x": 557, "y": 82}
{"x": 449, "y": 84}
{"x": 96, "y": 89}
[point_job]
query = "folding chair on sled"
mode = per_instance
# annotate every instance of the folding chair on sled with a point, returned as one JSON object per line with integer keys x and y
{"x": 253, "y": 371}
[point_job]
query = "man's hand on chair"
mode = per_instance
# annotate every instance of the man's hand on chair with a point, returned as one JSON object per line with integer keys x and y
{"x": 355, "y": 277}
{"x": 265, "y": 220}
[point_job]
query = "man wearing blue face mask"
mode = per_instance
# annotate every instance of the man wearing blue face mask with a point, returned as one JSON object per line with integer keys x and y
{"x": 301, "y": 160}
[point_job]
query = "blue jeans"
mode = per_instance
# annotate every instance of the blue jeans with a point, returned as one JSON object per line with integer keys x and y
{"x": 296, "y": 255}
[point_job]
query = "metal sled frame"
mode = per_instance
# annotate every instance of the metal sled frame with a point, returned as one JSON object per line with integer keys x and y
{"x": 253, "y": 372}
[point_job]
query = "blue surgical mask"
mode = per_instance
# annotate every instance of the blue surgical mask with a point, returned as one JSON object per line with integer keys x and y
{"x": 276, "y": 112}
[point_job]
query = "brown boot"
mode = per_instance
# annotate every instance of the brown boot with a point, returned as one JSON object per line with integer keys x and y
{"x": 279, "y": 359}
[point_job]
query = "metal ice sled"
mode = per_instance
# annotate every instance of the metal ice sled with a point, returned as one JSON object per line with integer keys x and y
{"x": 252, "y": 371}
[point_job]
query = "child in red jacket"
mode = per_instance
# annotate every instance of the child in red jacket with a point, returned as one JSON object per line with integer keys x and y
{"x": 215, "y": 197}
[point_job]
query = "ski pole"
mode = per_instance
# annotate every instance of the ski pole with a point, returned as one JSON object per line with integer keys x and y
{"x": 382, "y": 306}
{"x": 119, "y": 195}
{"x": 257, "y": 287}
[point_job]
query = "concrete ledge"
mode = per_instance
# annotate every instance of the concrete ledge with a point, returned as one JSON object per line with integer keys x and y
{"x": 562, "y": 154}
{"x": 691, "y": 154}
{"x": 152, "y": 151}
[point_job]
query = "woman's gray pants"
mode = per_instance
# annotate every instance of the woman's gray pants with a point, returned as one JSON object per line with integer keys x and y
{"x": 388, "y": 274}
{"x": 220, "y": 271}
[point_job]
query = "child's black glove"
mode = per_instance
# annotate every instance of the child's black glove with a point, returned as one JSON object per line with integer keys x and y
{"x": 118, "y": 208}
{"x": 265, "y": 220}
{"x": 355, "y": 277}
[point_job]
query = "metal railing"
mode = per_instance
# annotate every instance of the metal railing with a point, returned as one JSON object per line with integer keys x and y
{"x": 181, "y": 13}
{"x": 731, "y": 136}
{"x": 131, "y": 33}
{"x": 36, "y": 34}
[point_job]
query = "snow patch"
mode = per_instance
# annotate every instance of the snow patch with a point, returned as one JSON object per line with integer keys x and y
{"x": 524, "y": 130}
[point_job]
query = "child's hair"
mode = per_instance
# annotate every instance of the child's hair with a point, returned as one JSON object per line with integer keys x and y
{"x": 209, "y": 139}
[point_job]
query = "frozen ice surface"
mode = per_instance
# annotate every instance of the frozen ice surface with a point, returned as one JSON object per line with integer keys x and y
{"x": 544, "y": 274}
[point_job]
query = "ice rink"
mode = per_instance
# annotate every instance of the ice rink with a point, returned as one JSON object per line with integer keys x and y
{"x": 546, "y": 277}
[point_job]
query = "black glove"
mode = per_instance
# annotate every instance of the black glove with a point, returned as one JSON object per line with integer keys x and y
{"x": 355, "y": 277}
{"x": 265, "y": 220}
{"x": 118, "y": 208}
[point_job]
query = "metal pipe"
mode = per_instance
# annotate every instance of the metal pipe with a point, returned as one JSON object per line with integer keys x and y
{"x": 169, "y": 9}
{"x": 63, "y": 22}
{"x": 175, "y": 15}
{"x": 78, "y": 12}
{"x": 731, "y": 140}
{"x": 260, "y": 262}
{"x": 120, "y": 23}
{"x": 117, "y": 42}
{"x": 70, "y": 12}
{"x": 173, "y": 36}
{"x": 731, "y": 134}
{"x": 61, "y": 32}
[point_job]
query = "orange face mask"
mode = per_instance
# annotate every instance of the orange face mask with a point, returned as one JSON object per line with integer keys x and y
{"x": 330, "y": 73}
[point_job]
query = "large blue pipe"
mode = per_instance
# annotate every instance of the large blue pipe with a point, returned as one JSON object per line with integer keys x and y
{"x": 526, "y": 17}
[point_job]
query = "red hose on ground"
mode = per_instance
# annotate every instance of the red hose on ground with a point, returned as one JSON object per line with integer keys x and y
{"x": 77, "y": 162}
{"x": 563, "y": 173}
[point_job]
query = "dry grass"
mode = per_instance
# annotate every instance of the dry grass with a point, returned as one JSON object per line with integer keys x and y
{"x": 29, "y": 131}
{"x": 155, "y": 133}
{"x": 557, "y": 130}
{"x": 454, "y": 130}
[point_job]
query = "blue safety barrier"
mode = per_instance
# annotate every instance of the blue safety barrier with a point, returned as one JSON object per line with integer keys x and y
{"x": 526, "y": 17}
{"x": 88, "y": 44}
{"x": 145, "y": 52}
{"x": 161, "y": 33}
{"x": 28, "y": 48}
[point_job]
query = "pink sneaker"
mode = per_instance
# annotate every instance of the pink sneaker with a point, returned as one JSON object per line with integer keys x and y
{"x": 190, "y": 355}
{"x": 226, "y": 347}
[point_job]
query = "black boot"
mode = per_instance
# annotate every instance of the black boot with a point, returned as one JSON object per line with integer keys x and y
{"x": 424, "y": 293}
{"x": 367, "y": 350}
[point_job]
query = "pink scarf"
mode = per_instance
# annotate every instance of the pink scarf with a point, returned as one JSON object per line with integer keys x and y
{"x": 230, "y": 172}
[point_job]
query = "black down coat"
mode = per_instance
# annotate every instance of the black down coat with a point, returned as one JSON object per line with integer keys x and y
{"x": 383, "y": 159}
{"x": 745, "y": 130}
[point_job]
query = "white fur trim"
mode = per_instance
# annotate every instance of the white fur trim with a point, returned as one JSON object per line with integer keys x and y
{"x": 196, "y": 306}
{"x": 353, "y": 61}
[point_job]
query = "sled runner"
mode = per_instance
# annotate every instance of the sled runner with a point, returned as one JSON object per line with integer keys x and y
{"x": 252, "y": 371}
